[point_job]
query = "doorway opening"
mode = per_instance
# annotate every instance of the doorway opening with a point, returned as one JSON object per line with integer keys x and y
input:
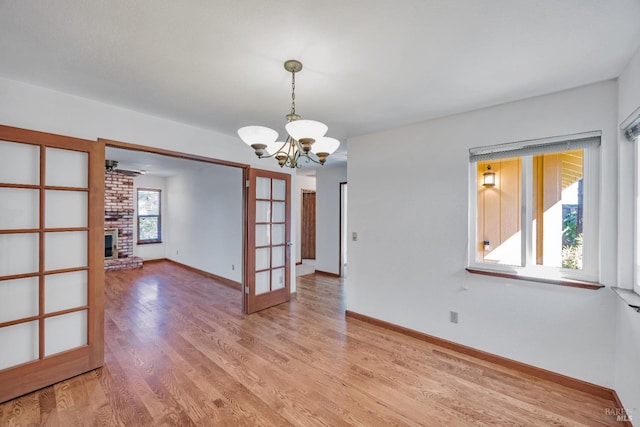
{"x": 253, "y": 216}
{"x": 193, "y": 188}
{"x": 308, "y": 228}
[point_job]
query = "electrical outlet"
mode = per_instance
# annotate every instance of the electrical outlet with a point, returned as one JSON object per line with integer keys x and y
{"x": 233, "y": 267}
{"x": 453, "y": 316}
{"x": 354, "y": 236}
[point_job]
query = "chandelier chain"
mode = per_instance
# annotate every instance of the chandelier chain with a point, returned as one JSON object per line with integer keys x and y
{"x": 293, "y": 92}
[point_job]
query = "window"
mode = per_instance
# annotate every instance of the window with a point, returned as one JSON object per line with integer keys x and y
{"x": 149, "y": 216}
{"x": 534, "y": 207}
{"x": 631, "y": 130}
{"x": 636, "y": 270}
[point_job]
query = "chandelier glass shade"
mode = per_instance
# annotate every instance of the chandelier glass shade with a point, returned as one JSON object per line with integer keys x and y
{"x": 306, "y": 139}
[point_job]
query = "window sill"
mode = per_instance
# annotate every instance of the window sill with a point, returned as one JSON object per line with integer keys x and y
{"x": 563, "y": 282}
{"x": 629, "y": 297}
{"x": 148, "y": 242}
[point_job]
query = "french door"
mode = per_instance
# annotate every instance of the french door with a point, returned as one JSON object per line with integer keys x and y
{"x": 268, "y": 241}
{"x": 51, "y": 259}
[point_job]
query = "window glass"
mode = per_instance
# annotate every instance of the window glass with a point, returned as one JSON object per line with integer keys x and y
{"x": 636, "y": 271}
{"x": 148, "y": 202}
{"x": 148, "y": 228}
{"x": 558, "y": 209}
{"x": 499, "y": 205}
{"x": 149, "y": 216}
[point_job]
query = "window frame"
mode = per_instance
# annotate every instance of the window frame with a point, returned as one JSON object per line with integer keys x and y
{"x": 630, "y": 133}
{"x": 630, "y": 130}
{"x": 138, "y": 216}
{"x": 636, "y": 216}
{"x": 529, "y": 270}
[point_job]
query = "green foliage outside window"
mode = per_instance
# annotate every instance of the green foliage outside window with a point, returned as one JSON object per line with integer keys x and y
{"x": 571, "y": 242}
{"x": 148, "y": 228}
{"x": 149, "y": 215}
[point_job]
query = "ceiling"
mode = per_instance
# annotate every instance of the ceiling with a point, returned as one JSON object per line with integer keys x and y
{"x": 368, "y": 65}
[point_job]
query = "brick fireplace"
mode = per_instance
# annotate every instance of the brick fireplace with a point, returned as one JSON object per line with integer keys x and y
{"x": 119, "y": 214}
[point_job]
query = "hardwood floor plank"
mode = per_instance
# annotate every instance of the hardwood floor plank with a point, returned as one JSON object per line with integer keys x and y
{"x": 179, "y": 352}
{"x": 127, "y": 408}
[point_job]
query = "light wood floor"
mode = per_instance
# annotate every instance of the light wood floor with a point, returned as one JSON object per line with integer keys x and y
{"x": 179, "y": 352}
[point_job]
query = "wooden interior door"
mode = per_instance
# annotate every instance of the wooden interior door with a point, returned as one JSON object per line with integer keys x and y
{"x": 308, "y": 232}
{"x": 268, "y": 240}
{"x": 51, "y": 259}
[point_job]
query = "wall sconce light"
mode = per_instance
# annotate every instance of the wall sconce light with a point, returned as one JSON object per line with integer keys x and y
{"x": 489, "y": 177}
{"x": 486, "y": 245}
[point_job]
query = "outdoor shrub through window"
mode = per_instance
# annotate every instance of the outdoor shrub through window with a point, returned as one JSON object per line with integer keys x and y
{"x": 149, "y": 216}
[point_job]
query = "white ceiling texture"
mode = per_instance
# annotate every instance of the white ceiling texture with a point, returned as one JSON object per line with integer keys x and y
{"x": 368, "y": 64}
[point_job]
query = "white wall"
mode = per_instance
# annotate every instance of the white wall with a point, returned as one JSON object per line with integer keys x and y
{"x": 627, "y": 355}
{"x": 205, "y": 220}
{"x": 409, "y": 206}
{"x": 45, "y": 110}
{"x": 33, "y": 107}
{"x": 150, "y": 250}
{"x": 328, "y": 181}
{"x": 301, "y": 183}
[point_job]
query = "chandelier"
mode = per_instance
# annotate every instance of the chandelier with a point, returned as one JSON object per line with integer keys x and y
{"x": 305, "y": 139}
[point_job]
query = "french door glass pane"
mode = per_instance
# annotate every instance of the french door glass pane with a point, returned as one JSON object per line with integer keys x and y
{"x": 65, "y": 209}
{"x": 64, "y": 291}
{"x": 19, "y": 163}
{"x": 278, "y": 212}
{"x": 278, "y": 234}
{"x": 18, "y": 299}
{"x": 23, "y": 339}
{"x": 278, "y": 256}
{"x": 263, "y": 188}
{"x": 263, "y": 211}
{"x": 262, "y": 235}
{"x": 66, "y": 249}
{"x": 19, "y": 253}
{"x": 65, "y": 332}
{"x": 19, "y": 208}
{"x": 66, "y": 168}
{"x": 499, "y": 208}
{"x": 277, "y": 278}
{"x": 279, "y": 189}
{"x": 263, "y": 258}
{"x": 262, "y": 282}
